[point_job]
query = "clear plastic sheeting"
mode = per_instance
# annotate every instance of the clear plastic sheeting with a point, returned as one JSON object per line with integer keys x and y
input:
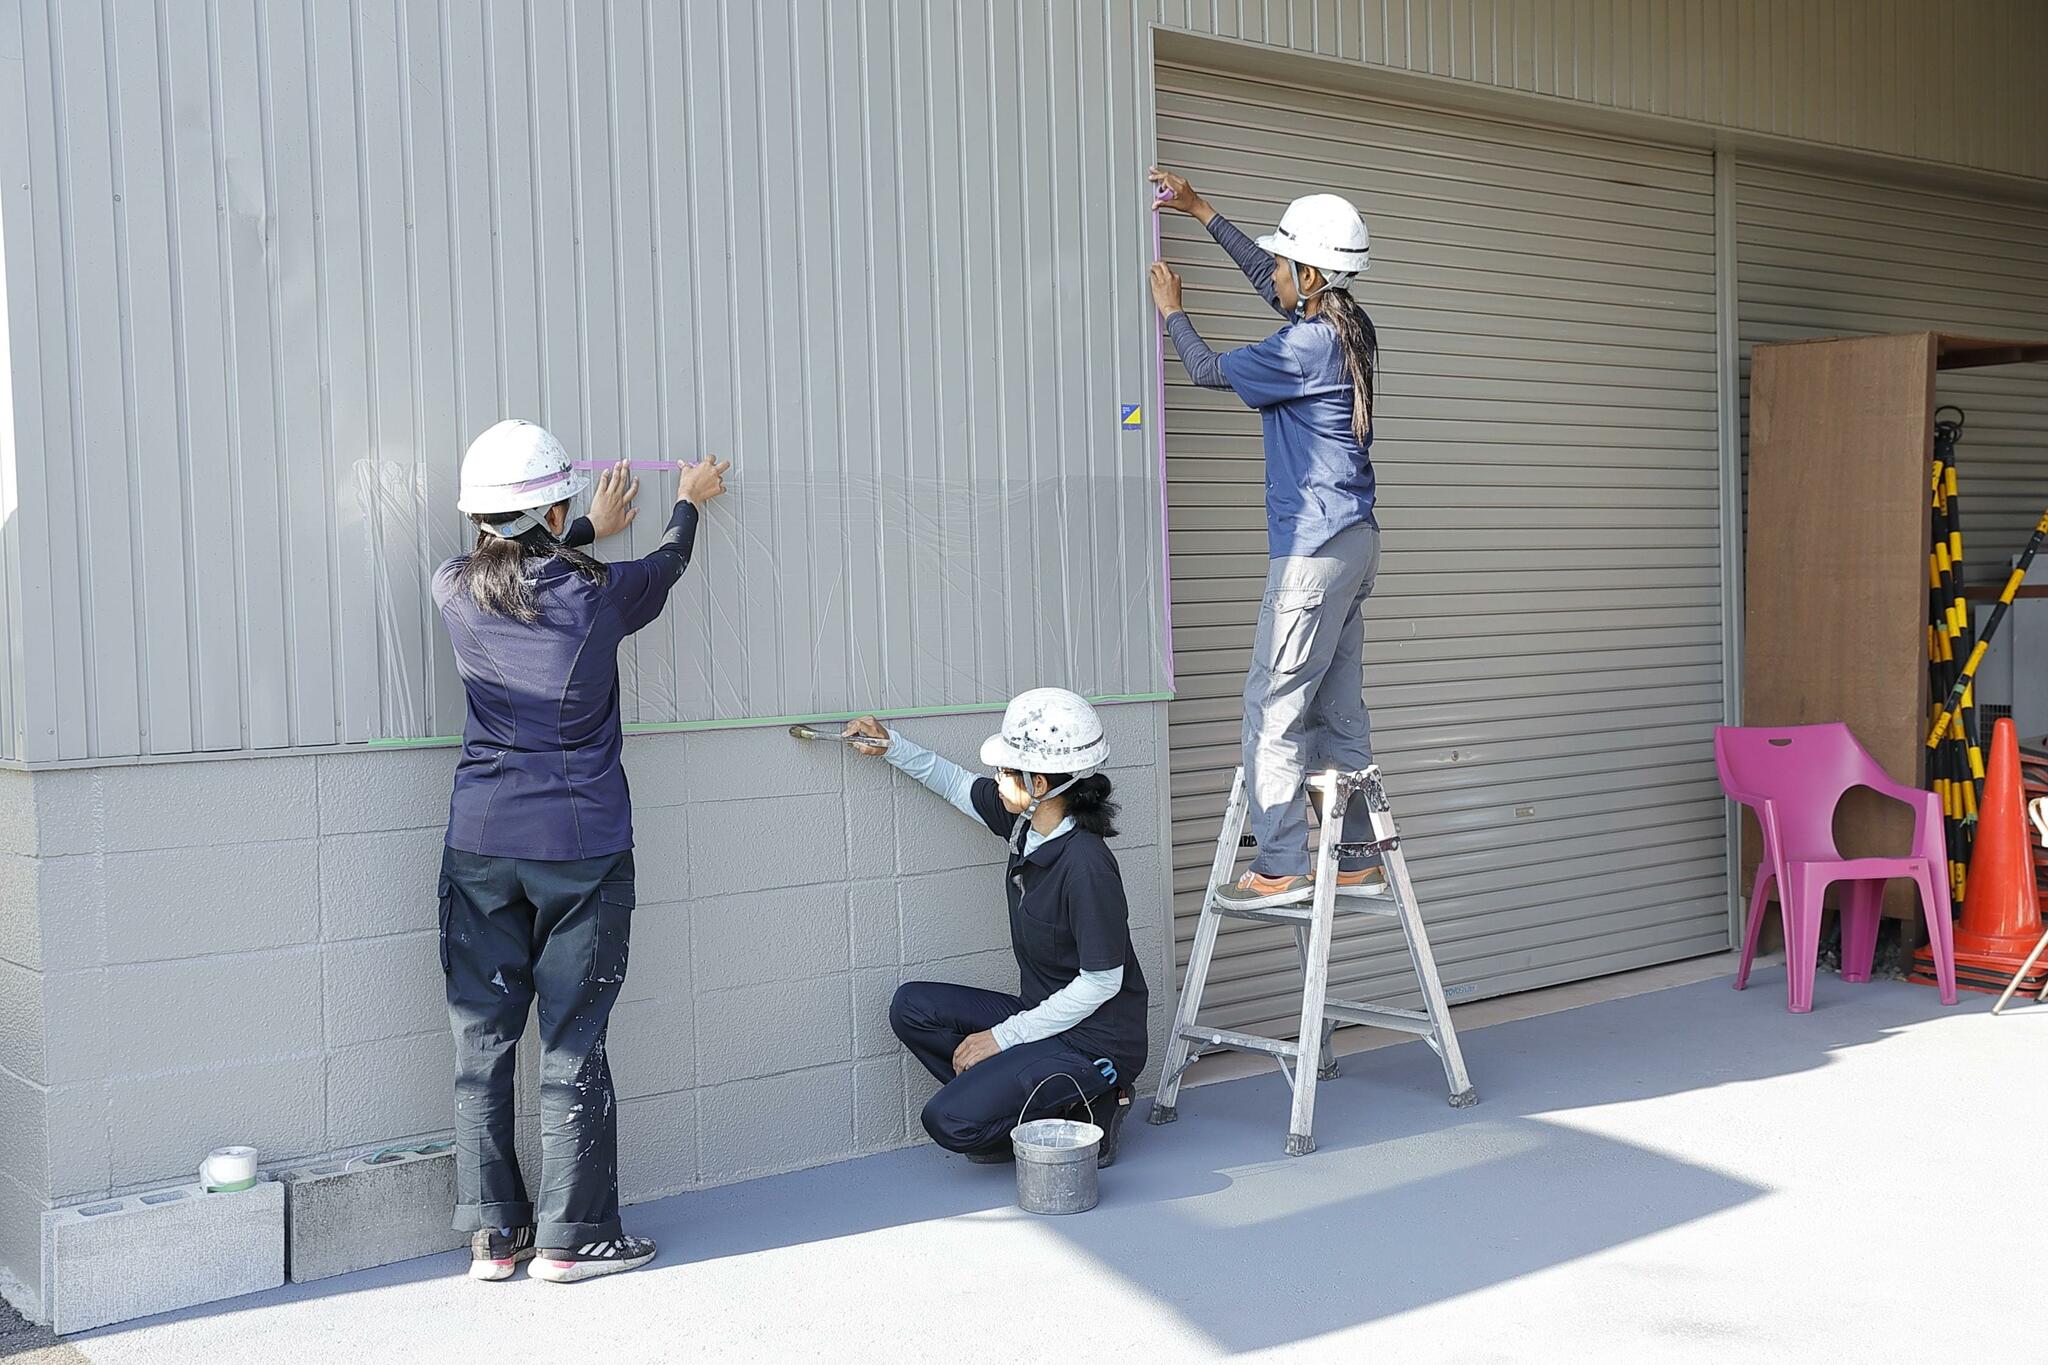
{"x": 824, "y": 596}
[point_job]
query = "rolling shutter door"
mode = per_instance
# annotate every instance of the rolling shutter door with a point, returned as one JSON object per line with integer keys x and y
{"x": 1829, "y": 254}
{"x": 1544, "y": 654}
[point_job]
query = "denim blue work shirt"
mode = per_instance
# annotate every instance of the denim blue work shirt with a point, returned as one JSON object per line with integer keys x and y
{"x": 1319, "y": 479}
{"x": 540, "y": 775}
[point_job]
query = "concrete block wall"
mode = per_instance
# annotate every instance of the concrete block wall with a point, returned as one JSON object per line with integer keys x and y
{"x": 24, "y": 1050}
{"x": 244, "y": 950}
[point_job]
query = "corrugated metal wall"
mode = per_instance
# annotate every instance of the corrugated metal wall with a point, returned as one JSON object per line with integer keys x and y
{"x": 276, "y": 260}
{"x": 1954, "y": 82}
{"x": 1819, "y": 254}
{"x": 1544, "y": 653}
{"x": 270, "y": 262}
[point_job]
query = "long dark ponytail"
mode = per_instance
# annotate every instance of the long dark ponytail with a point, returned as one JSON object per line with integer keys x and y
{"x": 1361, "y": 346}
{"x": 499, "y": 577}
{"x": 1088, "y": 802}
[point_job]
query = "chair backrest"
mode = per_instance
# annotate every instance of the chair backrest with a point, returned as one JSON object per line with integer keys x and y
{"x": 1804, "y": 769}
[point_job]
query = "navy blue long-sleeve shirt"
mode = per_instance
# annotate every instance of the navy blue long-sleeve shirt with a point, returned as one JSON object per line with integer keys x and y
{"x": 540, "y": 775}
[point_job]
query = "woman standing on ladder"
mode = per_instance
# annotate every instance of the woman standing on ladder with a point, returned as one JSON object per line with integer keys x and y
{"x": 1312, "y": 383}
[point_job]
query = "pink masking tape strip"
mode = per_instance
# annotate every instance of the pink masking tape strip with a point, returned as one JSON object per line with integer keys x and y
{"x": 542, "y": 482}
{"x": 1159, "y": 425}
{"x": 632, "y": 464}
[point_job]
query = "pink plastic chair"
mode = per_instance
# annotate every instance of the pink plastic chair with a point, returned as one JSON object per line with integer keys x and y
{"x": 1793, "y": 778}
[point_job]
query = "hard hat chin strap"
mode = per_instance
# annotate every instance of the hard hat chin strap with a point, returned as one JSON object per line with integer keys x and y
{"x": 1336, "y": 281}
{"x": 1023, "y": 820}
{"x": 513, "y": 529}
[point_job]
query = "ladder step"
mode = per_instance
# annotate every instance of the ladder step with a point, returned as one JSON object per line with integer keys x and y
{"x": 1348, "y": 903}
{"x": 1243, "y": 1042}
{"x": 1380, "y": 1016}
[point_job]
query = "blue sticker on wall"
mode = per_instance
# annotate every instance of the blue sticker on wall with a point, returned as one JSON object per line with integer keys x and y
{"x": 1133, "y": 418}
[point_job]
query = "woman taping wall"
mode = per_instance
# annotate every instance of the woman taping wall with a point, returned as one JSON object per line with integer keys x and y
{"x": 537, "y": 879}
{"x": 1079, "y": 1010}
{"x": 1312, "y": 384}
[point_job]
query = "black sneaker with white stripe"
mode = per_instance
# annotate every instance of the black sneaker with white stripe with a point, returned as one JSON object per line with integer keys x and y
{"x": 495, "y": 1253}
{"x": 566, "y": 1265}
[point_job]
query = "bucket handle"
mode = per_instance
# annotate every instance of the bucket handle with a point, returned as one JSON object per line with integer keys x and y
{"x": 1041, "y": 1085}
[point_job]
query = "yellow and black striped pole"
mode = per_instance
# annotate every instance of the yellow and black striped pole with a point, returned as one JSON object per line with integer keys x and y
{"x": 1948, "y": 713}
{"x": 1964, "y": 630}
{"x": 1950, "y": 771}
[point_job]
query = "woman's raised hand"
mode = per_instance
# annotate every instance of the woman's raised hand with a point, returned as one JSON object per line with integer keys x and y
{"x": 611, "y": 505}
{"x": 1165, "y": 289}
{"x": 1179, "y": 194}
{"x": 703, "y": 481}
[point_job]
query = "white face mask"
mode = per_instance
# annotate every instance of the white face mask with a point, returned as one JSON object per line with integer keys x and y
{"x": 1021, "y": 826}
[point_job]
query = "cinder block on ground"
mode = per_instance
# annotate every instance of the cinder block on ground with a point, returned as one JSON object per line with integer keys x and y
{"x": 118, "y": 1259}
{"x": 343, "y": 1216}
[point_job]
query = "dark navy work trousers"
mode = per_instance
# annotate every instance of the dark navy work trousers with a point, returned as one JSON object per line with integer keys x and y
{"x": 977, "y": 1108}
{"x": 517, "y": 931}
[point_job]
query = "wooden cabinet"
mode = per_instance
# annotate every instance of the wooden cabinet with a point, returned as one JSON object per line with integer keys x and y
{"x": 1841, "y": 443}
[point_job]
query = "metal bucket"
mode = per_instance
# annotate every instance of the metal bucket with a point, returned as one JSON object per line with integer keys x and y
{"x": 1056, "y": 1159}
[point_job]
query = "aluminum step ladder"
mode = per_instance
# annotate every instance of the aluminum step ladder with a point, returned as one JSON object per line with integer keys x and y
{"x": 1312, "y": 917}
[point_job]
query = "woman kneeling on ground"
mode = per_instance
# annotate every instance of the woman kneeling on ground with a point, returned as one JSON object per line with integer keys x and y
{"x": 1079, "y": 1010}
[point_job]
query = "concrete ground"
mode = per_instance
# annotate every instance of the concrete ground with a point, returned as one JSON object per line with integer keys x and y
{"x": 1689, "y": 1174}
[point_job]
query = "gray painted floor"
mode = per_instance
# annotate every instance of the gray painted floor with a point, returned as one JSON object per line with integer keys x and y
{"x": 1686, "y": 1175}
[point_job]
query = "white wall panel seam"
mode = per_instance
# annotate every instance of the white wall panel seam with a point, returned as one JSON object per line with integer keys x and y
{"x": 13, "y": 623}
{"x": 61, "y": 466}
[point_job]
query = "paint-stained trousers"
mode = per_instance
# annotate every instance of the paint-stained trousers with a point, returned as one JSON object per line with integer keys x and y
{"x": 977, "y": 1108}
{"x": 1304, "y": 699}
{"x": 515, "y": 931}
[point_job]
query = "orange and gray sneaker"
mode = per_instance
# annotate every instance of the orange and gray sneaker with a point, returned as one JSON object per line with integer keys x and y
{"x": 1254, "y": 891}
{"x": 1371, "y": 880}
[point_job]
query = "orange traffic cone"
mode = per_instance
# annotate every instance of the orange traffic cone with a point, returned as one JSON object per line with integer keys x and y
{"x": 2001, "y": 907}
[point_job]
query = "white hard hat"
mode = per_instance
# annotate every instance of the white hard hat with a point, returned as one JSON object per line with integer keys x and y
{"x": 1048, "y": 730}
{"x": 1324, "y": 231}
{"x": 517, "y": 467}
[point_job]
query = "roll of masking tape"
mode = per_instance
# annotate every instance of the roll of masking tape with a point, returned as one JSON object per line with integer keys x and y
{"x": 228, "y": 1168}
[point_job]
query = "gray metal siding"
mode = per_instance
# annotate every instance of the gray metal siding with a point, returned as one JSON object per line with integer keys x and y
{"x": 1543, "y": 652}
{"x": 1954, "y": 82}
{"x": 1821, "y": 254}
{"x": 270, "y": 271}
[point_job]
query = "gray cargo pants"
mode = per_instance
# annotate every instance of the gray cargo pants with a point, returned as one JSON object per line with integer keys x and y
{"x": 1304, "y": 699}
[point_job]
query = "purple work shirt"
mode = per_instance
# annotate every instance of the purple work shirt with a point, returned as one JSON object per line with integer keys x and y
{"x": 540, "y": 775}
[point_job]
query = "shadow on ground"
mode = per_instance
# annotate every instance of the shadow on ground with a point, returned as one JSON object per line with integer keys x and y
{"x": 1406, "y": 1202}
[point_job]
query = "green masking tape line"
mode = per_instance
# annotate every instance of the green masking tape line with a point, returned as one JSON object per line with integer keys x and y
{"x": 747, "y": 722}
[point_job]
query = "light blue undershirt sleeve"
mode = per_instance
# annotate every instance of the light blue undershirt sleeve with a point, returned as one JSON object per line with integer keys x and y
{"x": 1061, "y": 1010}
{"x": 942, "y": 776}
